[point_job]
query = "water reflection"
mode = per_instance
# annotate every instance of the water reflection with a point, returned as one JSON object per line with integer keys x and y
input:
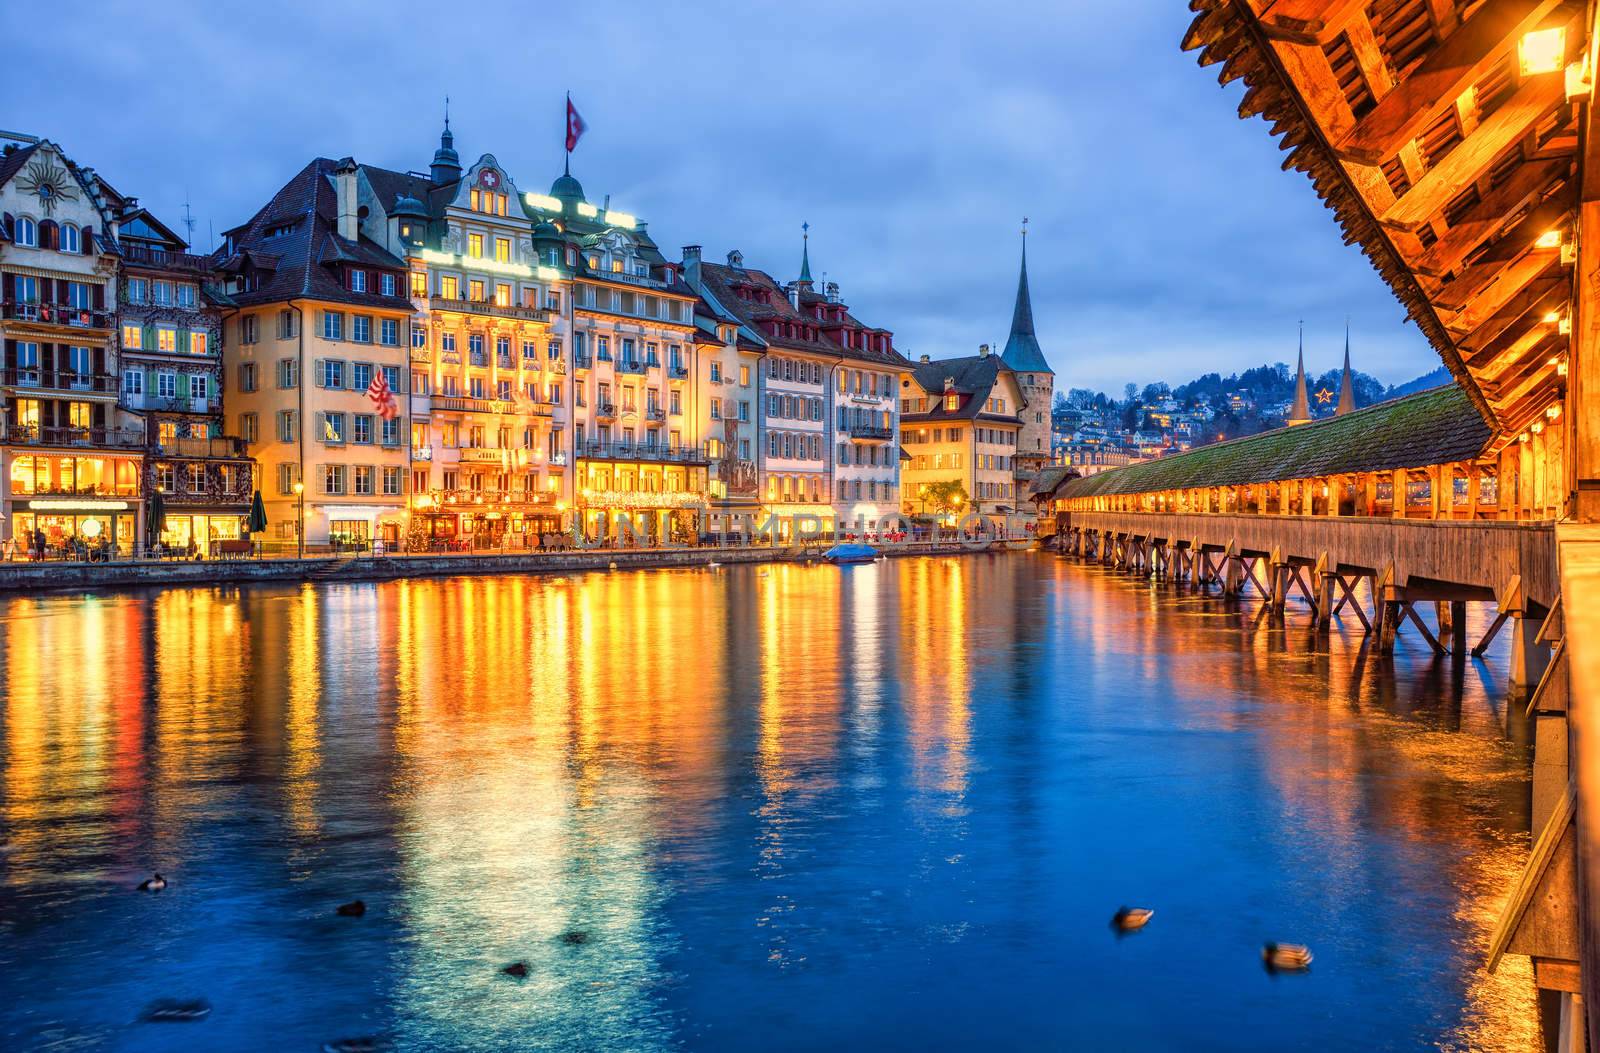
{"x": 786, "y": 806}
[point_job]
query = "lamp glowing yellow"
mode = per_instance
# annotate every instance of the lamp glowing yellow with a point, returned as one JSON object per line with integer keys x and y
{"x": 1542, "y": 51}
{"x": 1551, "y": 318}
{"x": 1550, "y": 239}
{"x": 299, "y": 488}
{"x": 1554, "y": 412}
{"x": 91, "y": 528}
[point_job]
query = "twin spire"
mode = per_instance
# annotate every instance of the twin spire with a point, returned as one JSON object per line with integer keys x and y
{"x": 1300, "y": 411}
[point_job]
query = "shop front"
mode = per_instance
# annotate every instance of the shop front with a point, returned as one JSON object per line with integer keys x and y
{"x": 76, "y": 527}
{"x": 482, "y": 522}
{"x": 201, "y": 529}
{"x": 358, "y": 528}
{"x": 647, "y": 504}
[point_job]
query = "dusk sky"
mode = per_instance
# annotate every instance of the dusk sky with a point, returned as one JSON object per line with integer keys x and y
{"x": 1165, "y": 241}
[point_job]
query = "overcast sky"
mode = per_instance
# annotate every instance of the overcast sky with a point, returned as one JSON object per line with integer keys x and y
{"x": 1165, "y": 241}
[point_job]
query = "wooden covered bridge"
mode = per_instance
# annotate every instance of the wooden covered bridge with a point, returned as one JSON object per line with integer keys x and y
{"x": 1456, "y": 143}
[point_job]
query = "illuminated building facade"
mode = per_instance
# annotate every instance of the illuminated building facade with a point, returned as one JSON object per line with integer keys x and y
{"x": 489, "y": 465}
{"x": 960, "y": 423}
{"x": 319, "y": 310}
{"x": 69, "y": 460}
{"x": 169, "y": 335}
{"x": 639, "y": 449}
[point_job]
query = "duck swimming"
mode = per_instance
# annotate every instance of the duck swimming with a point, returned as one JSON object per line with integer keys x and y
{"x": 1286, "y": 957}
{"x": 153, "y": 884}
{"x": 1130, "y": 919}
{"x": 175, "y": 1011}
{"x": 517, "y": 969}
{"x": 575, "y": 937}
{"x": 353, "y": 909}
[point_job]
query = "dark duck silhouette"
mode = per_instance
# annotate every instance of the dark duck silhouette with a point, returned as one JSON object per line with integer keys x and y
{"x": 153, "y": 884}
{"x": 353, "y": 909}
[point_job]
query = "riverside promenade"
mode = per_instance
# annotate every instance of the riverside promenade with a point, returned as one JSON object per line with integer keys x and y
{"x": 57, "y": 574}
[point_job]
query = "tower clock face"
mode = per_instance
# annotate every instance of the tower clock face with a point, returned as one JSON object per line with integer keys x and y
{"x": 489, "y": 179}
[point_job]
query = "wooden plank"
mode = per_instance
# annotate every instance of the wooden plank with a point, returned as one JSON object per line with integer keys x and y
{"x": 1488, "y": 298}
{"x": 1483, "y": 220}
{"x": 1309, "y": 21}
{"x": 1555, "y": 974}
{"x": 1454, "y": 66}
{"x": 1474, "y": 154}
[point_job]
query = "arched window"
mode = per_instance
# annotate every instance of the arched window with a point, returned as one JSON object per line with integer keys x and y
{"x": 27, "y": 232}
{"x": 70, "y": 239}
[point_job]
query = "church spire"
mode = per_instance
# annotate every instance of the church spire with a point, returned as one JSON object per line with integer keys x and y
{"x": 805, "y": 254}
{"x": 1347, "y": 383}
{"x": 446, "y": 167}
{"x": 1022, "y": 351}
{"x": 1300, "y": 412}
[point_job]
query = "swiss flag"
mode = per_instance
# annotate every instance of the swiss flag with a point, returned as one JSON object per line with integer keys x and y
{"x": 575, "y": 125}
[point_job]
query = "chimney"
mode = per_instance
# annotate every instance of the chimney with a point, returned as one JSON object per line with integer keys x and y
{"x": 344, "y": 182}
{"x": 983, "y": 350}
{"x": 925, "y": 359}
{"x": 736, "y": 259}
{"x": 793, "y": 289}
{"x": 691, "y": 265}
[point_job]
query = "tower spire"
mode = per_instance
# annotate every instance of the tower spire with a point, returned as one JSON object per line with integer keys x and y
{"x": 1300, "y": 412}
{"x": 1022, "y": 352}
{"x": 805, "y": 254}
{"x": 1347, "y": 383}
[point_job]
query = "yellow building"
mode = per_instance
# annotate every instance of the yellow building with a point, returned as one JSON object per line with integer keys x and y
{"x": 960, "y": 419}
{"x": 319, "y": 311}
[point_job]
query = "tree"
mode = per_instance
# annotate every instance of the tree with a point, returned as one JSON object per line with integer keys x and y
{"x": 946, "y": 495}
{"x": 1130, "y": 390}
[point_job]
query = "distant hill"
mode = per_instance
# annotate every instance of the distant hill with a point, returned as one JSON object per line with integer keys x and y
{"x": 1437, "y": 378}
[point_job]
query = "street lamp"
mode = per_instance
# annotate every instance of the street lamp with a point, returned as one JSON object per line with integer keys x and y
{"x": 300, "y": 527}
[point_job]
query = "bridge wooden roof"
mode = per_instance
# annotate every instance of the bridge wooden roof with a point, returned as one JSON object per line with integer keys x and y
{"x": 1437, "y": 156}
{"x": 1430, "y": 427}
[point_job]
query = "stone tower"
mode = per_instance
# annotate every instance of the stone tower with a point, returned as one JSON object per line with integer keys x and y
{"x": 1034, "y": 375}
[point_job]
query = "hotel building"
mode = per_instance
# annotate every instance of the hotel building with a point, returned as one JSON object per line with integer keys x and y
{"x": 70, "y": 464}
{"x": 489, "y": 457}
{"x": 638, "y": 440}
{"x": 319, "y": 308}
{"x": 960, "y": 422}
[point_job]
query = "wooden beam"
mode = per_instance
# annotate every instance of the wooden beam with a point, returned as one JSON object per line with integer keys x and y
{"x": 1474, "y": 154}
{"x": 1309, "y": 21}
{"x": 1482, "y": 221}
{"x": 1527, "y": 307}
{"x": 1453, "y": 67}
{"x": 1475, "y": 306}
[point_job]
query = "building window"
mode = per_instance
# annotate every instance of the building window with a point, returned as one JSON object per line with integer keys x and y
{"x": 332, "y": 373}
{"x": 247, "y": 427}
{"x": 166, "y": 339}
{"x": 391, "y": 479}
{"x": 360, "y": 376}
{"x": 138, "y": 290}
{"x": 362, "y": 430}
{"x": 197, "y": 386}
{"x": 186, "y": 296}
{"x": 286, "y": 323}
{"x": 133, "y": 382}
{"x": 132, "y": 337}
{"x": 361, "y": 329}
{"x": 475, "y": 246}
{"x": 162, "y": 293}
{"x": 27, "y": 232}
{"x": 387, "y": 284}
{"x": 286, "y": 426}
{"x": 419, "y": 283}
{"x": 363, "y": 480}
{"x": 502, "y": 250}
{"x": 390, "y": 430}
{"x": 70, "y": 239}
{"x": 197, "y": 343}
{"x": 167, "y": 385}
{"x": 288, "y": 373}
{"x": 333, "y": 478}
{"x": 389, "y": 330}
{"x": 475, "y": 290}
{"x": 332, "y": 325}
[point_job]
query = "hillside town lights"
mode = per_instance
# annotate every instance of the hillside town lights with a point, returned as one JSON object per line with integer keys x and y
{"x": 1542, "y": 51}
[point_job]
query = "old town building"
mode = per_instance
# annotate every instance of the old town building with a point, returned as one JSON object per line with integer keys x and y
{"x": 69, "y": 462}
{"x": 319, "y": 312}
{"x": 960, "y": 423}
{"x": 489, "y": 457}
{"x": 197, "y": 478}
{"x": 641, "y": 455}
{"x": 731, "y": 368}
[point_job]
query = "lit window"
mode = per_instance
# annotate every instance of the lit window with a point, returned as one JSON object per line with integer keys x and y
{"x": 502, "y": 294}
{"x": 166, "y": 339}
{"x": 132, "y": 337}
{"x": 502, "y": 249}
{"x": 475, "y": 246}
{"x": 419, "y": 283}
{"x": 197, "y": 343}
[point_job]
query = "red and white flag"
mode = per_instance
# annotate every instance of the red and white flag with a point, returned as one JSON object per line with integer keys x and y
{"x": 575, "y": 125}
{"x": 382, "y": 397}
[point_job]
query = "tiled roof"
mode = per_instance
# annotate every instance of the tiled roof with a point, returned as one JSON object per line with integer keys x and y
{"x": 973, "y": 377}
{"x": 1049, "y": 478}
{"x": 721, "y": 279}
{"x": 1430, "y": 427}
{"x": 11, "y": 163}
{"x": 305, "y": 253}
{"x": 1022, "y": 351}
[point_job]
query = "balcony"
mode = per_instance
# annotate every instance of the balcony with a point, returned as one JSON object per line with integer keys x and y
{"x": 131, "y": 439}
{"x": 451, "y": 500}
{"x": 581, "y": 362}
{"x": 422, "y": 453}
{"x": 655, "y": 413}
{"x": 461, "y": 404}
{"x": 489, "y": 309}
{"x": 421, "y": 354}
{"x": 217, "y": 447}
{"x": 677, "y": 371}
{"x": 503, "y": 361}
{"x": 61, "y": 380}
{"x": 56, "y": 314}
{"x": 605, "y": 411}
{"x": 146, "y": 256}
{"x": 870, "y": 431}
{"x": 479, "y": 358}
{"x": 484, "y": 455}
{"x": 631, "y": 365}
{"x": 169, "y": 403}
{"x": 625, "y": 451}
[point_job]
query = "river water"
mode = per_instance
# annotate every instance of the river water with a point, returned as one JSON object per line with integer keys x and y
{"x": 889, "y": 806}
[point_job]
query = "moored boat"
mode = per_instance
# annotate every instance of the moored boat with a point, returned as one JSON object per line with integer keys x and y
{"x": 850, "y": 552}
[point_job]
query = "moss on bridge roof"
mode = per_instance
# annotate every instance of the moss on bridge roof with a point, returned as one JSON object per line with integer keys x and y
{"x": 1430, "y": 427}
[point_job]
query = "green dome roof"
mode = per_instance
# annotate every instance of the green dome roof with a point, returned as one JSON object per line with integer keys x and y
{"x": 406, "y": 205}
{"x": 567, "y": 188}
{"x": 546, "y": 230}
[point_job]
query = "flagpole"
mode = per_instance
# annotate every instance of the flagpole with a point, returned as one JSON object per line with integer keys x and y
{"x": 566, "y": 124}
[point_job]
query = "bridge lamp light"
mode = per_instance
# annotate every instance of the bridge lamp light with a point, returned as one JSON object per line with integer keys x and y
{"x": 1542, "y": 51}
{"x": 1552, "y": 317}
{"x": 1554, "y": 412}
{"x": 1550, "y": 239}
{"x": 1536, "y": 427}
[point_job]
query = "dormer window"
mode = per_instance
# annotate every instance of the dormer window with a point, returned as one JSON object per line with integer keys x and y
{"x": 951, "y": 401}
{"x": 358, "y": 281}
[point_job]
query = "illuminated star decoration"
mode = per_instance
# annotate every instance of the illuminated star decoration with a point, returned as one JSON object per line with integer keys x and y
{"x": 1324, "y": 396}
